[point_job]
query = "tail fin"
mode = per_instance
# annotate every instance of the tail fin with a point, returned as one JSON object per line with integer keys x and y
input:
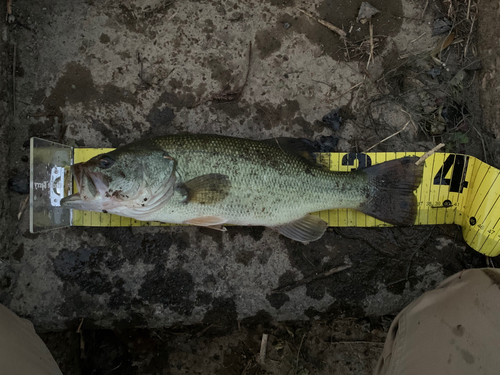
{"x": 392, "y": 184}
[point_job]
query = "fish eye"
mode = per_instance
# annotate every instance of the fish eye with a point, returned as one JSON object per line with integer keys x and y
{"x": 105, "y": 162}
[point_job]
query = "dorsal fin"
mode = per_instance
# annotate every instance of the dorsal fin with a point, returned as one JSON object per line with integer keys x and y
{"x": 295, "y": 146}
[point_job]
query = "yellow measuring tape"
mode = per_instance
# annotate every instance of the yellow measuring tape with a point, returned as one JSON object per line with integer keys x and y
{"x": 455, "y": 189}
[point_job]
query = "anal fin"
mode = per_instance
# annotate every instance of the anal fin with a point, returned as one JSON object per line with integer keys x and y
{"x": 309, "y": 228}
{"x": 207, "y": 221}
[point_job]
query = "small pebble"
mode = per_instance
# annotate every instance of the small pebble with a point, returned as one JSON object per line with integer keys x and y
{"x": 286, "y": 25}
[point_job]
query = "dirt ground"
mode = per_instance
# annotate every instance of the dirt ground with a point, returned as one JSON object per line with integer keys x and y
{"x": 188, "y": 301}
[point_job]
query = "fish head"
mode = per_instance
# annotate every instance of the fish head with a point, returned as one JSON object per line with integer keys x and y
{"x": 126, "y": 181}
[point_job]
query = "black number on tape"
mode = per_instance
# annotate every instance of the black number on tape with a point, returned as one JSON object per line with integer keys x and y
{"x": 364, "y": 160}
{"x": 457, "y": 181}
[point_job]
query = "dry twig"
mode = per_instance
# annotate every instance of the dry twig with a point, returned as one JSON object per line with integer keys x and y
{"x": 482, "y": 142}
{"x": 418, "y": 37}
{"x": 370, "y": 57}
{"x": 389, "y": 137}
{"x": 82, "y": 342}
{"x": 411, "y": 119}
{"x": 328, "y": 25}
{"x": 22, "y": 207}
{"x": 345, "y": 92}
{"x": 358, "y": 342}
{"x": 425, "y": 8}
{"x": 440, "y": 47}
{"x": 298, "y": 353}
{"x": 14, "y": 80}
{"x": 79, "y": 329}
{"x": 263, "y": 348}
{"x": 468, "y": 36}
{"x": 429, "y": 153}
{"x": 308, "y": 279}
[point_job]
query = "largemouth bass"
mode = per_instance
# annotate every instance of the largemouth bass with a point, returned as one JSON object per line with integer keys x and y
{"x": 210, "y": 180}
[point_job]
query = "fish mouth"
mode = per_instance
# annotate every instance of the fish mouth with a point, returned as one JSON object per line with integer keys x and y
{"x": 91, "y": 187}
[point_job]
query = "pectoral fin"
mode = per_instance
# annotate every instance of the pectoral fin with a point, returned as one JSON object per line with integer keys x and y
{"x": 207, "y": 189}
{"x": 309, "y": 228}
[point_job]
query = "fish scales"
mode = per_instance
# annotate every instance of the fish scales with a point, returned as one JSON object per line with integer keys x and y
{"x": 268, "y": 186}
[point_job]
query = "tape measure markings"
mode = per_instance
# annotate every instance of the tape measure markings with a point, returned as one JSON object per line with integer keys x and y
{"x": 496, "y": 242}
{"x": 491, "y": 172}
{"x": 480, "y": 174}
{"x": 479, "y": 199}
{"x": 464, "y": 183}
{"x": 484, "y": 225}
{"x": 477, "y": 228}
{"x": 443, "y": 172}
{"x": 488, "y": 229}
{"x": 434, "y": 194}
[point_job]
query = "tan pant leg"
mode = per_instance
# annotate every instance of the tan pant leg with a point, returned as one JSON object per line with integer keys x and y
{"x": 22, "y": 352}
{"x": 454, "y": 329}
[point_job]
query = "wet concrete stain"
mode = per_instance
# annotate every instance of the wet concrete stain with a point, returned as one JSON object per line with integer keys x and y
{"x": 270, "y": 116}
{"x": 112, "y": 134}
{"x": 288, "y": 278}
{"x": 277, "y": 300}
{"x": 104, "y": 38}
{"x": 234, "y": 110}
{"x": 115, "y": 95}
{"x": 72, "y": 263}
{"x": 145, "y": 247}
{"x": 348, "y": 288}
{"x": 261, "y": 319}
{"x": 244, "y": 257}
{"x": 203, "y": 298}
{"x": 264, "y": 255}
{"x": 316, "y": 290}
{"x": 159, "y": 119}
{"x": 170, "y": 287}
{"x": 222, "y": 74}
{"x": 19, "y": 253}
{"x": 222, "y": 312}
{"x": 177, "y": 100}
{"x": 282, "y": 3}
{"x": 268, "y": 42}
{"x": 83, "y": 268}
{"x": 209, "y": 27}
{"x": 76, "y": 85}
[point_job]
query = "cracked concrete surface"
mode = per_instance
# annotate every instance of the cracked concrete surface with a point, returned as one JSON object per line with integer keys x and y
{"x": 101, "y": 74}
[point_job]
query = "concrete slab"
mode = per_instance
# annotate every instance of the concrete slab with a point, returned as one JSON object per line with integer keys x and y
{"x": 100, "y": 74}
